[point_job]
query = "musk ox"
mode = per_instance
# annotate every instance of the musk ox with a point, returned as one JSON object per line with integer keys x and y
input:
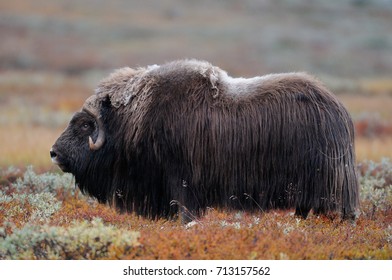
{"x": 188, "y": 133}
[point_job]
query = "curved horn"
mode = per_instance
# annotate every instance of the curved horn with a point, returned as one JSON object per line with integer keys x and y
{"x": 92, "y": 108}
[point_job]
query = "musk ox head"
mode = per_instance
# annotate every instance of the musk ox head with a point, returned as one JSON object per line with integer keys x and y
{"x": 86, "y": 150}
{"x": 186, "y": 132}
{"x": 72, "y": 142}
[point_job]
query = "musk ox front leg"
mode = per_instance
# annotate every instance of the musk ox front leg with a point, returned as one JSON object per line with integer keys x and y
{"x": 184, "y": 202}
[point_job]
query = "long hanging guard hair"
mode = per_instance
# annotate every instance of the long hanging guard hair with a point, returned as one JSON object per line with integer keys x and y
{"x": 187, "y": 132}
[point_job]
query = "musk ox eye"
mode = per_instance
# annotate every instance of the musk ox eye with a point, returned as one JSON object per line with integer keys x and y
{"x": 86, "y": 126}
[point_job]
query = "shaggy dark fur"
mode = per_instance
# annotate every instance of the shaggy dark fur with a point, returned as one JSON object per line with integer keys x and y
{"x": 186, "y": 132}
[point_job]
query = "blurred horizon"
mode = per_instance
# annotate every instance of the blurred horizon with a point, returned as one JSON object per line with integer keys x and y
{"x": 349, "y": 38}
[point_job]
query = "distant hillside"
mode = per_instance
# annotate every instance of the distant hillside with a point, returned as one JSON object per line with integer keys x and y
{"x": 350, "y": 38}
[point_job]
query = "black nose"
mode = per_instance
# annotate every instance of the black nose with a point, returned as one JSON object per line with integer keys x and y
{"x": 53, "y": 154}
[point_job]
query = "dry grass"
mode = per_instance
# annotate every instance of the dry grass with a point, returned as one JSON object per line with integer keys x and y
{"x": 23, "y": 145}
{"x": 377, "y": 104}
{"x": 373, "y": 111}
{"x": 220, "y": 235}
{"x": 373, "y": 148}
{"x": 377, "y": 86}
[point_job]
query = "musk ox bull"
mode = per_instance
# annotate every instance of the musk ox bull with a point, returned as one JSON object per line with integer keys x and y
{"x": 187, "y": 132}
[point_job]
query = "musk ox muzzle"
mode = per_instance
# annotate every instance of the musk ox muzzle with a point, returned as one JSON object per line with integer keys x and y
{"x": 188, "y": 133}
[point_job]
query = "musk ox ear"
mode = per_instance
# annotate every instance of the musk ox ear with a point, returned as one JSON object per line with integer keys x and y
{"x": 92, "y": 106}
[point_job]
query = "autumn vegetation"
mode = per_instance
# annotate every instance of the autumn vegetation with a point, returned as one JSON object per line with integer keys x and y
{"x": 55, "y": 53}
{"x": 43, "y": 216}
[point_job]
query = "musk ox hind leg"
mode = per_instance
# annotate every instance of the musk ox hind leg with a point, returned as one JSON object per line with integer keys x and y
{"x": 302, "y": 211}
{"x": 184, "y": 214}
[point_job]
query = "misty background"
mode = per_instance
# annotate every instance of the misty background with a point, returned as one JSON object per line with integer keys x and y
{"x": 343, "y": 39}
